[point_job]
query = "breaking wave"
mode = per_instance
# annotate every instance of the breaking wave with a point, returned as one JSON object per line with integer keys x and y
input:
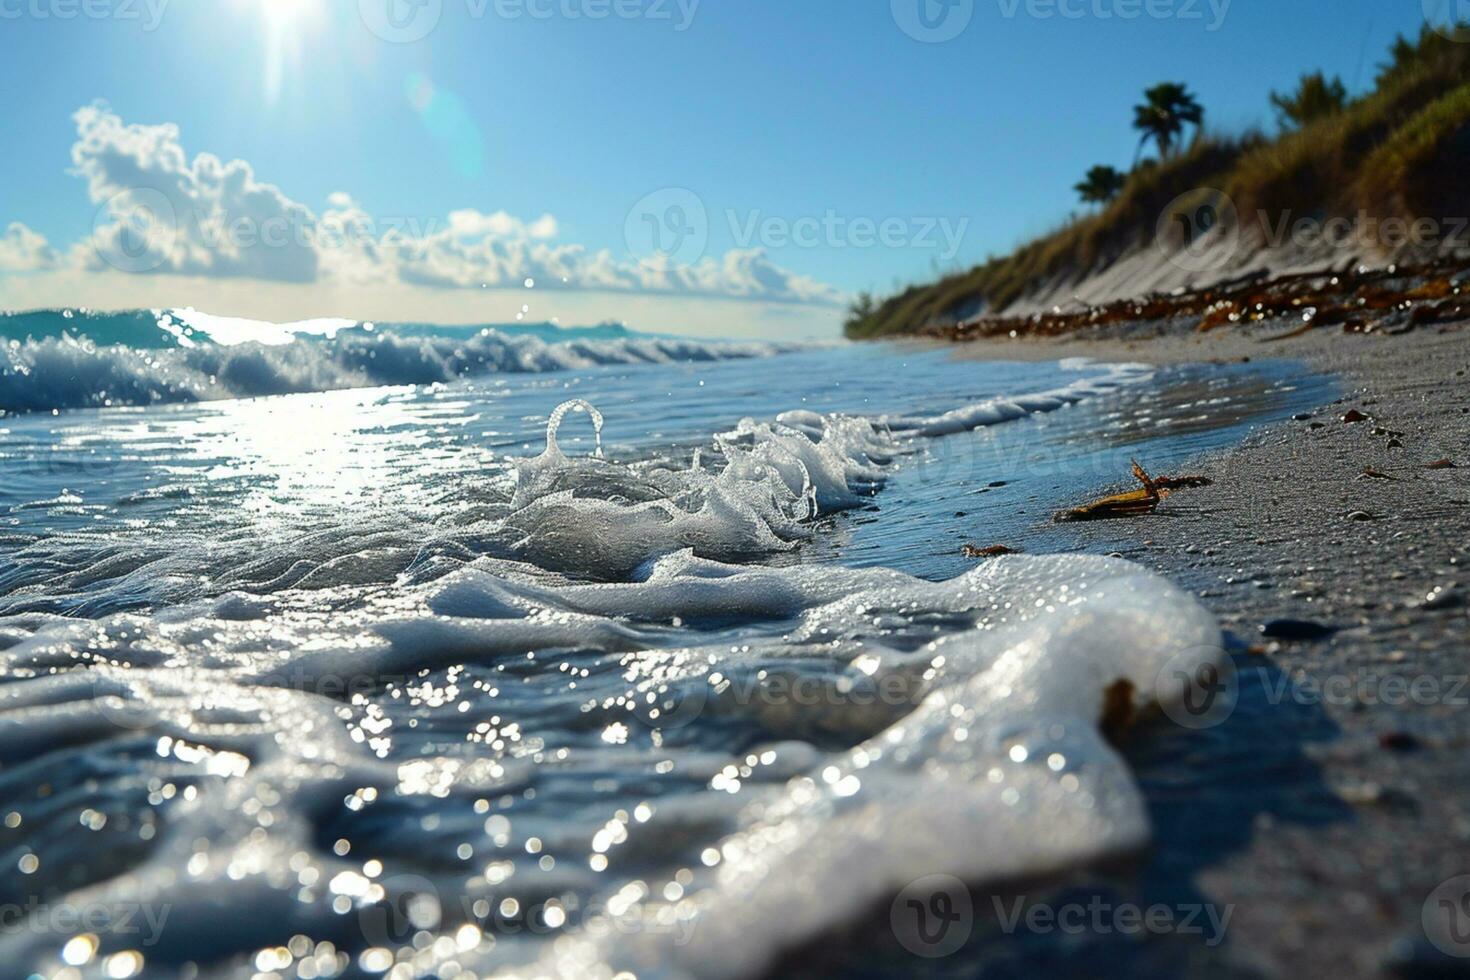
{"x": 69, "y": 360}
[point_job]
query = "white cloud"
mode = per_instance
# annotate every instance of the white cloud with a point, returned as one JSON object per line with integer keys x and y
{"x": 159, "y": 212}
{"x": 746, "y": 273}
{"x": 24, "y": 250}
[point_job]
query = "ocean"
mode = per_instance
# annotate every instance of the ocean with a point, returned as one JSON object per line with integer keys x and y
{"x": 408, "y": 650}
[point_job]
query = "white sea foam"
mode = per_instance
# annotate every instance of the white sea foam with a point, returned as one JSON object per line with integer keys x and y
{"x": 564, "y": 697}
{"x": 605, "y": 519}
{"x": 764, "y": 485}
{"x": 1006, "y": 409}
{"x": 980, "y": 758}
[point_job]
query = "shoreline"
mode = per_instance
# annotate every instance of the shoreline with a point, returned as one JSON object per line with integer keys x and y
{"x": 1306, "y": 833}
{"x": 1335, "y": 803}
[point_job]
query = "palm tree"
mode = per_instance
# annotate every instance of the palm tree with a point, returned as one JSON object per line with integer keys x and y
{"x": 1103, "y": 183}
{"x": 1166, "y": 109}
{"x": 1315, "y": 98}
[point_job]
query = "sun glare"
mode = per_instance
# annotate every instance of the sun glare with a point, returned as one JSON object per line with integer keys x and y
{"x": 289, "y": 24}
{"x": 285, "y": 13}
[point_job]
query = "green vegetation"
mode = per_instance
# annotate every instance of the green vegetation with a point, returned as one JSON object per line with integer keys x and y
{"x": 1102, "y": 184}
{"x": 1399, "y": 150}
{"x": 1420, "y": 169}
{"x": 1315, "y": 98}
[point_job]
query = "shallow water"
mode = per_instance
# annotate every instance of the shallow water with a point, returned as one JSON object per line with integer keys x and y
{"x": 382, "y": 680}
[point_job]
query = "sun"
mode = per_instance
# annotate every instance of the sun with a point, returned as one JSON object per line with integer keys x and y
{"x": 285, "y": 13}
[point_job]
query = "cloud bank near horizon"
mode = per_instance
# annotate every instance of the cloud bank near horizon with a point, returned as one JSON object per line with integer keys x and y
{"x": 161, "y": 214}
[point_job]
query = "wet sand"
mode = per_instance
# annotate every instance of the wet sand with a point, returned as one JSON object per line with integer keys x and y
{"x": 1336, "y": 798}
{"x": 1319, "y": 816}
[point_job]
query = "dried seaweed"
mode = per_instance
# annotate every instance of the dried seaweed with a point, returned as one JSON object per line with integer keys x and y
{"x": 1134, "y": 503}
{"x": 1357, "y": 299}
{"x": 1181, "y": 482}
{"x": 1131, "y": 504}
{"x": 994, "y": 551}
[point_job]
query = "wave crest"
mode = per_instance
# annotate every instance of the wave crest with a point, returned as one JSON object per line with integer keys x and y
{"x": 68, "y": 372}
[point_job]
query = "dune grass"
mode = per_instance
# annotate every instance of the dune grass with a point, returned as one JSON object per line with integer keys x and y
{"x": 1401, "y": 150}
{"x": 1421, "y": 170}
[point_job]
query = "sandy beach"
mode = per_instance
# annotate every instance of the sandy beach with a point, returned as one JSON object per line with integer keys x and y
{"x": 1324, "y": 812}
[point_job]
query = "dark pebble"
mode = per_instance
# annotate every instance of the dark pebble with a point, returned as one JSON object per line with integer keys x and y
{"x": 1361, "y": 515}
{"x": 1302, "y": 417}
{"x": 1296, "y": 629}
{"x": 959, "y": 513}
{"x": 997, "y": 483}
{"x": 1353, "y": 415}
{"x": 1398, "y": 741}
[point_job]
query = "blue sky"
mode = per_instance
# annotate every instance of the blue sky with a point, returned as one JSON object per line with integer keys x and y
{"x": 784, "y": 118}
